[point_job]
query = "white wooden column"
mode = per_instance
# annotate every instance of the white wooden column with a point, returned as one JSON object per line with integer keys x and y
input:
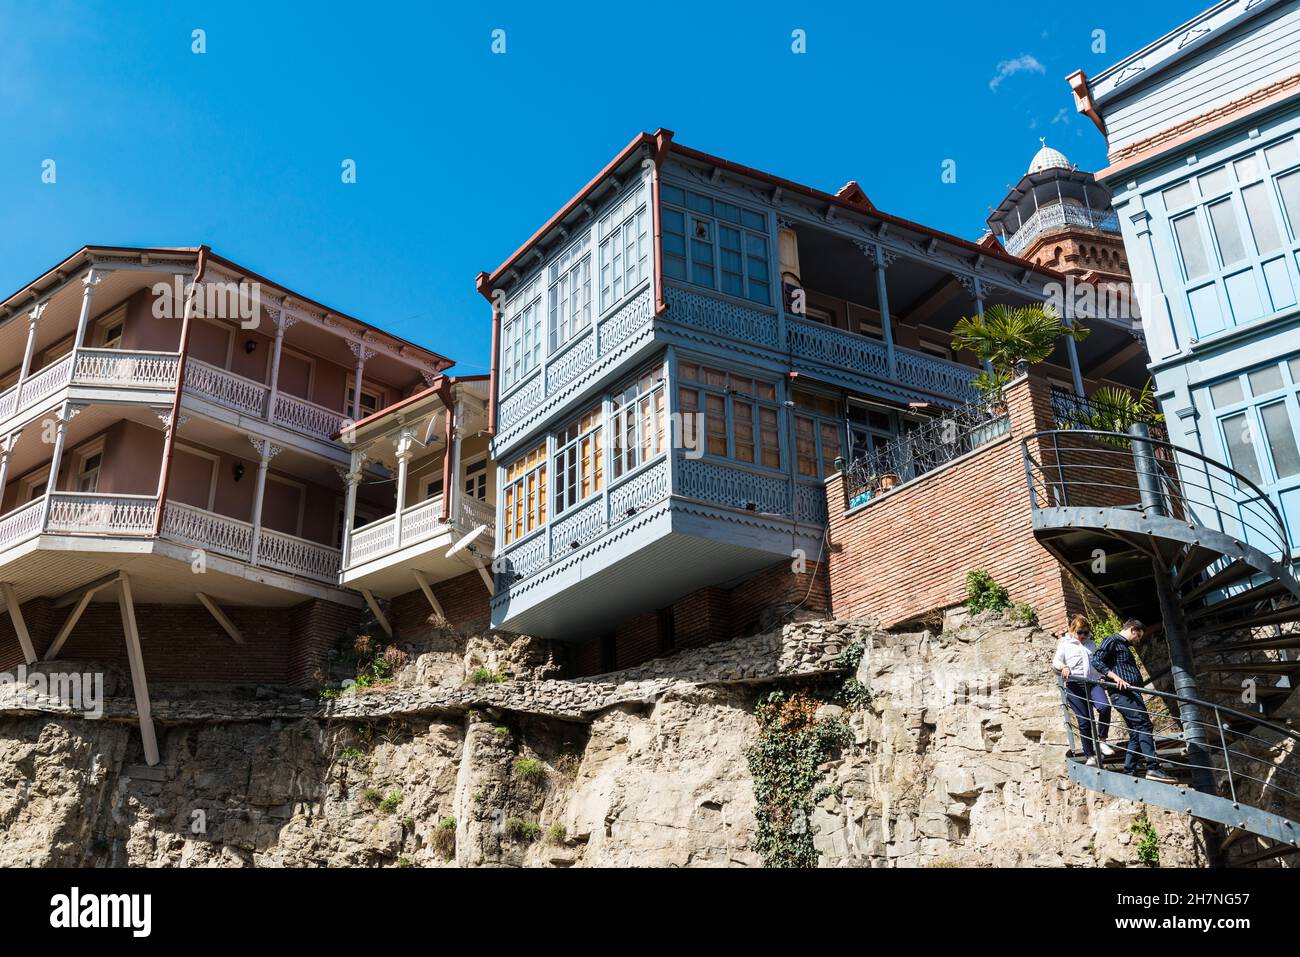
{"x": 403, "y": 443}
{"x": 33, "y": 323}
{"x": 6, "y": 451}
{"x": 282, "y": 321}
{"x": 353, "y": 480}
{"x": 359, "y": 350}
{"x": 92, "y": 279}
{"x": 65, "y": 416}
{"x": 457, "y": 473}
{"x": 265, "y": 451}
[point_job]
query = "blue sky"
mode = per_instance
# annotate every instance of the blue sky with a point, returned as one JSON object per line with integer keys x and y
{"x": 462, "y": 153}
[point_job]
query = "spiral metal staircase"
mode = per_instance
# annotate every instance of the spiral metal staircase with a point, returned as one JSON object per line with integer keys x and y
{"x": 1167, "y": 535}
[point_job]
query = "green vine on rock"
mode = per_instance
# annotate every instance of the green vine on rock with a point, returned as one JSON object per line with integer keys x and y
{"x": 784, "y": 763}
{"x": 1148, "y": 844}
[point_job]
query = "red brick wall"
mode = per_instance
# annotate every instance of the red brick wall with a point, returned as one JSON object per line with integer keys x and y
{"x": 184, "y": 643}
{"x": 464, "y": 599}
{"x": 906, "y": 554}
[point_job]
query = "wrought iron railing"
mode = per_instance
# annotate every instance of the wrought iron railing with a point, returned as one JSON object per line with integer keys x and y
{"x": 1249, "y": 761}
{"x": 1086, "y": 468}
{"x": 1073, "y": 411}
{"x": 924, "y": 449}
{"x": 1059, "y": 216}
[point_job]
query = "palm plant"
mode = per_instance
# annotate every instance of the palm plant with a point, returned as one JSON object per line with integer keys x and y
{"x": 1009, "y": 338}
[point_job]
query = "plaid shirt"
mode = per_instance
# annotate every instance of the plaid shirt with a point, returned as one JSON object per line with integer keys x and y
{"x": 1116, "y": 655}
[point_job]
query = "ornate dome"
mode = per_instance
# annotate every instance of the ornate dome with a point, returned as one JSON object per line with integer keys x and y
{"x": 1048, "y": 158}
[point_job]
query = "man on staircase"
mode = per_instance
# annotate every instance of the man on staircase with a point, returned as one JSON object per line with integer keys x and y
{"x": 1115, "y": 659}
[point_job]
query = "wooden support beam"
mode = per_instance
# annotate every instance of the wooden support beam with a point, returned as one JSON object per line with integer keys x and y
{"x": 1109, "y": 363}
{"x": 74, "y": 597}
{"x": 377, "y": 611}
{"x": 126, "y": 602}
{"x": 487, "y": 576}
{"x": 66, "y": 631}
{"x": 215, "y": 611}
{"x": 422, "y": 580}
{"x": 931, "y": 302}
{"x": 19, "y": 623}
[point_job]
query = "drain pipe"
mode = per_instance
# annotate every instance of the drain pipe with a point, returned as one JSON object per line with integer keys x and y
{"x": 1181, "y": 661}
{"x": 169, "y": 439}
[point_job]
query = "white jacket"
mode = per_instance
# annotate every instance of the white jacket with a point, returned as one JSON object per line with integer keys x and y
{"x": 1077, "y": 656}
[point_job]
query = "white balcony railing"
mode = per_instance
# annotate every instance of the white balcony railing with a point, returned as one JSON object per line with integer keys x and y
{"x": 116, "y": 367}
{"x": 474, "y": 513}
{"x": 233, "y": 538}
{"x": 225, "y": 388}
{"x": 21, "y": 523}
{"x": 298, "y": 556}
{"x": 420, "y": 522}
{"x": 307, "y": 417}
{"x": 44, "y": 383}
{"x": 203, "y": 529}
{"x": 89, "y": 513}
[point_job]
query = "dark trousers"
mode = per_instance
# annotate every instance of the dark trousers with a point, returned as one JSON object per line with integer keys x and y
{"x": 1082, "y": 698}
{"x": 1141, "y": 746}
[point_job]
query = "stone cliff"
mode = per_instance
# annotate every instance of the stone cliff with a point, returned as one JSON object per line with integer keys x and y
{"x": 951, "y": 755}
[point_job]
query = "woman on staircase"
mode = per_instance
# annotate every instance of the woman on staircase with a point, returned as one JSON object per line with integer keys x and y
{"x": 1073, "y": 661}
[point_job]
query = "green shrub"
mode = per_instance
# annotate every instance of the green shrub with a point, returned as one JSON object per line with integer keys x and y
{"x": 351, "y": 754}
{"x": 485, "y": 676}
{"x": 556, "y": 833}
{"x": 984, "y": 594}
{"x": 501, "y": 731}
{"x": 1023, "y": 613}
{"x": 517, "y": 829}
{"x": 530, "y": 769}
{"x": 372, "y": 796}
{"x": 443, "y": 838}
{"x": 404, "y": 862}
{"x": 391, "y": 802}
{"x": 1148, "y": 845}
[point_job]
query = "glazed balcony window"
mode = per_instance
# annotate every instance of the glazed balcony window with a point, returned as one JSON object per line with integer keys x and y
{"x": 570, "y": 293}
{"x": 716, "y": 244}
{"x": 521, "y": 332}
{"x": 579, "y": 461}
{"x": 740, "y": 414}
{"x": 525, "y": 494}
{"x": 639, "y": 422}
{"x": 624, "y": 234}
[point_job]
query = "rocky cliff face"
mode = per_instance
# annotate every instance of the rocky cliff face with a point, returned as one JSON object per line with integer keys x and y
{"x": 955, "y": 759}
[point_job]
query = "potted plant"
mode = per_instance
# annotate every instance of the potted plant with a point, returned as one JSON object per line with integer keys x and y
{"x": 1010, "y": 339}
{"x": 888, "y": 481}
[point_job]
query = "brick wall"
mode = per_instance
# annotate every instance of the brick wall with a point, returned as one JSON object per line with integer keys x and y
{"x": 464, "y": 599}
{"x": 906, "y": 554}
{"x": 184, "y": 643}
{"x": 705, "y": 616}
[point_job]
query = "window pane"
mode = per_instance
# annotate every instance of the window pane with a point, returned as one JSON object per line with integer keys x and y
{"x": 1289, "y": 187}
{"x": 1281, "y": 439}
{"x": 1264, "y": 381}
{"x": 715, "y": 411}
{"x": 1214, "y": 182}
{"x": 1228, "y": 233}
{"x": 1226, "y": 393}
{"x": 1247, "y": 169}
{"x": 1189, "y": 241}
{"x": 674, "y": 195}
{"x": 1262, "y": 221}
{"x": 1282, "y": 155}
{"x": 743, "y": 414}
{"x": 1241, "y": 447}
{"x": 1176, "y": 197}
{"x": 1294, "y": 365}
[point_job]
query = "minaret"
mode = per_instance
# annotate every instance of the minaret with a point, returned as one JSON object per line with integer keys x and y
{"x": 1061, "y": 217}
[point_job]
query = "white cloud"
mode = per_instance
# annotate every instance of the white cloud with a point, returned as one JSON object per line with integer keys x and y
{"x": 1062, "y": 116}
{"x": 1025, "y": 63}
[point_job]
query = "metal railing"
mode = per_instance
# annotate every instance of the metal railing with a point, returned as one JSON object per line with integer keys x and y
{"x": 925, "y": 448}
{"x": 1058, "y": 216}
{"x": 1073, "y": 411}
{"x": 1256, "y": 767}
{"x": 1087, "y": 468}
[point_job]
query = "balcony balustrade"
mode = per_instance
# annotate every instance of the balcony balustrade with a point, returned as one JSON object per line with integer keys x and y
{"x": 1060, "y": 216}
{"x": 134, "y": 516}
{"x": 419, "y": 522}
